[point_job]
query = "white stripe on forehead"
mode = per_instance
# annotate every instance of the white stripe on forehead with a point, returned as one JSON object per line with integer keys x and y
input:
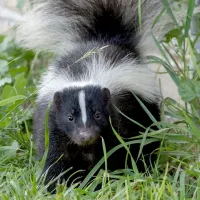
{"x": 82, "y": 104}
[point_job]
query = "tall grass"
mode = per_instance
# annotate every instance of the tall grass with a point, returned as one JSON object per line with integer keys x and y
{"x": 177, "y": 170}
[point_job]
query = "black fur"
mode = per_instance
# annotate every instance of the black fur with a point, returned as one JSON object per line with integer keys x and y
{"x": 84, "y": 157}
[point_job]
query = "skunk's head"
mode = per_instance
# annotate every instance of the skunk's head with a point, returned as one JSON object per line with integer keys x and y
{"x": 82, "y": 113}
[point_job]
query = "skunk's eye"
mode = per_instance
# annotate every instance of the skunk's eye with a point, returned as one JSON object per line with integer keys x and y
{"x": 97, "y": 115}
{"x": 70, "y": 118}
{"x": 94, "y": 109}
{"x": 72, "y": 111}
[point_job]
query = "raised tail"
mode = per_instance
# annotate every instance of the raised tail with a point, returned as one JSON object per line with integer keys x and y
{"x": 59, "y": 26}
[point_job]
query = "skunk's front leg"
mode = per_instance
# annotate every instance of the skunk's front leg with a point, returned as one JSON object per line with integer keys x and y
{"x": 56, "y": 163}
{"x": 52, "y": 169}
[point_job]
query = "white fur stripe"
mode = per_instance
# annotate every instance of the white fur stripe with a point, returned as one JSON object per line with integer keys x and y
{"x": 82, "y": 106}
{"x": 128, "y": 75}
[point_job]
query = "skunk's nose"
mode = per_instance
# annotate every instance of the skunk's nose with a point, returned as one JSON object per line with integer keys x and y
{"x": 88, "y": 136}
{"x": 85, "y": 135}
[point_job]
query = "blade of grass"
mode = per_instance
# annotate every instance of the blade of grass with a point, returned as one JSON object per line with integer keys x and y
{"x": 182, "y": 185}
{"x": 104, "y": 153}
{"x": 142, "y": 143}
{"x": 194, "y": 128}
{"x": 129, "y": 118}
{"x": 162, "y": 188}
{"x": 158, "y": 17}
{"x": 192, "y": 56}
{"x": 170, "y": 71}
{"x": 147, "y": 111}
{"x": 176, "y": 176}
{"x": 126, "y": 147}
{"x": 169, "y": 12}
{"x": 161, "y": 50}
{"x": 191, "y": 5}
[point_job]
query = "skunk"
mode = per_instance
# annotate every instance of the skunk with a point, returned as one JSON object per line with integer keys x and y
{"x": 99, "y": 65}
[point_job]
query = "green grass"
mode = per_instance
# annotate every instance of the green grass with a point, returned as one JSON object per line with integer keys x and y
{"x": 176, "y": 174}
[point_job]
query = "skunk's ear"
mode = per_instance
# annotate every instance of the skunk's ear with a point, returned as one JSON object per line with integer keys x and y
{"x": 106, "y": 95}
{"x": 57, "y": 100}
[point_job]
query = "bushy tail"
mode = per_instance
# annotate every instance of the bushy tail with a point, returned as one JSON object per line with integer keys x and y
{"x": 60, "y": 25}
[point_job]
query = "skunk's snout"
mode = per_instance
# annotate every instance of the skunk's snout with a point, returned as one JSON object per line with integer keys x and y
{"x": 88, "y": 136}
